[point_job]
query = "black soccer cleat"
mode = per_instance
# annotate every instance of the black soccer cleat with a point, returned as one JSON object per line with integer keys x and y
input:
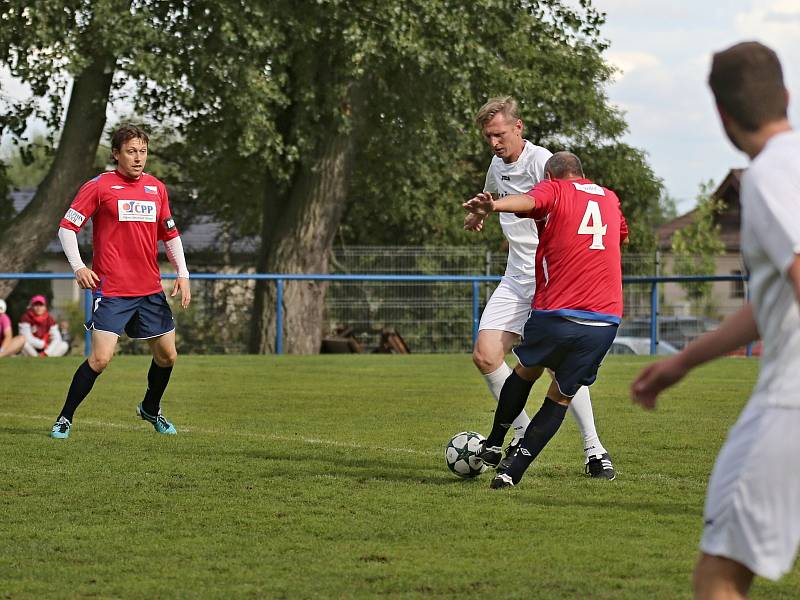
{"x": 501, "y": 480}
{"x": 601, "y": 467}
{"x": 490, "y": 455}
{"x": 511, "y": 450}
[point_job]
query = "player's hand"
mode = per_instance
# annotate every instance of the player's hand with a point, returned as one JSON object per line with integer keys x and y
{"x": 481, "y": 204}
{"x": 654, "y": 379}
{"x": 473, "y": 222}
{"x": 182, "y": 285}
{"x": 86, "y": 278}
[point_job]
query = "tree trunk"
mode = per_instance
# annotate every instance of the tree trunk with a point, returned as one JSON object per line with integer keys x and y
{"x": 301, "y": 242}
{"x": 26, "y": 238}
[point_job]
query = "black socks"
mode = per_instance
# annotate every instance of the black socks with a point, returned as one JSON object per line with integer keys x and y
{"x": 542, "y": 428}
{"x": 157, "y": 380}
{"x": 82, "y": 383}
{"x": 512, "y": 400}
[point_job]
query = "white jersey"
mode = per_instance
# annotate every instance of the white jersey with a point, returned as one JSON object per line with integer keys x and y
{"x": 518, "y": 177}
{"x": 770, "y": 241}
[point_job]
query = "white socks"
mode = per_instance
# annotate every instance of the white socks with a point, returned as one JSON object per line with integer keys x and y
{"x": 495, "y": 381}
{"x": 581, "y": 409}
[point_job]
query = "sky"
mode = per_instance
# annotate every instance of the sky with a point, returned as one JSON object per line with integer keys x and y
{"x": 663, "y": 51}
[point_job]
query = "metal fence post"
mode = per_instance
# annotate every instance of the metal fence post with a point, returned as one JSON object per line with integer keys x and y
{"x": 279, "y": 316}
{"x": 475, "y": 307}
{"x": 653, "y": 317}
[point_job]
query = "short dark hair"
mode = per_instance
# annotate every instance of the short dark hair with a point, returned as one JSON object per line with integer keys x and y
{"x": 747, "y": 82}
{"x": 563, "y": 164}
{"x": 124, "y": 133}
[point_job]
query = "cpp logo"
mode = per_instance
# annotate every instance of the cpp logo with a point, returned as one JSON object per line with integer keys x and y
{"x": 137, "y": 210}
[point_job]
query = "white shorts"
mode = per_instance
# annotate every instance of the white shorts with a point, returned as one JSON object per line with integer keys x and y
{"x": 508, "y": 307}
{"x": 752, "y": 512}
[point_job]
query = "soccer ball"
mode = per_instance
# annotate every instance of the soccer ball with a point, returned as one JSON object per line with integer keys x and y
{"x": 460, "y": 454}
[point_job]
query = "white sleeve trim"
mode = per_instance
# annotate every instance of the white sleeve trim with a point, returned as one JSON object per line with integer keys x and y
{"x": 176, "y": 257}
{"x": 69, "y": 242}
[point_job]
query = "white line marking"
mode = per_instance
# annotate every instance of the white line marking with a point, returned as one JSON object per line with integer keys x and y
{"x": 246, "y": 434}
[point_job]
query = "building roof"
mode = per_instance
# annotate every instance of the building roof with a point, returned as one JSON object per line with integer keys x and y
{"x": 729, "y": 219}
{"x": 204, "y": 236}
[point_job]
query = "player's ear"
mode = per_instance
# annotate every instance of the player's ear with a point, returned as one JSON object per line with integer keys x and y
{"x": 548, "y": 174}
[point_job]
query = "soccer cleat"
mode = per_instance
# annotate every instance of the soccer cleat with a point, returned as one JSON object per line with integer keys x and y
{"x": 490, "y": 456}
{"x": 61, "y": 429}
{"x": 502, "y": 480}
{"x": 159, "y": 422}
{"x": 601, "y": 467}
{"x": 511, "y": 450}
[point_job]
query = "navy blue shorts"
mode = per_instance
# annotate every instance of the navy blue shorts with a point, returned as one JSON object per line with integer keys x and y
{"x": 141, "y": 317}
{"x": 571, "y": 350}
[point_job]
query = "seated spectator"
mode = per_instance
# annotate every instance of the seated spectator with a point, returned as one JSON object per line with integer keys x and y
{"x": 42, "y": 336}
{"x": 10, "y": 344}
{"x": 63, "y": 326}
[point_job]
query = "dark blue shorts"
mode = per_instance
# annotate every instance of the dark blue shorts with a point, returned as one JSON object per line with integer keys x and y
{"x": 571, "y": 350}
{"x": 141, "y": 317}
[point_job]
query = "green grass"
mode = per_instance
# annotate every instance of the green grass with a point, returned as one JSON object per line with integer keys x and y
{"x": 323, "y": 477}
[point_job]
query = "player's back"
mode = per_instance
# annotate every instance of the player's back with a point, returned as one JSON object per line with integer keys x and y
{"x": 770, "y": 241}
{"x": 578, "y": 262}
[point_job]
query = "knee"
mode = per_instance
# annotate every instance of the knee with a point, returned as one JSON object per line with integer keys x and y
{"x": 99, "y": 363}
{"x": 166, "y": 359}
{"x": 485, "y": 362}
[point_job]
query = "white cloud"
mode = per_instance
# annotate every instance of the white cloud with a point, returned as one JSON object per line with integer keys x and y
{"x": 628, "y": 62}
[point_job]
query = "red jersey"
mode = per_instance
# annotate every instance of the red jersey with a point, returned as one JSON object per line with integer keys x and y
{"x": 578, "y": 261}
{"x": 129, "y": 216}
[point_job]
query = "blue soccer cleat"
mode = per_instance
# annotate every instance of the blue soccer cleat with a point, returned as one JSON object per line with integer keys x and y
{"x": 61, "y": 429}
{"x": 159, "y": 422}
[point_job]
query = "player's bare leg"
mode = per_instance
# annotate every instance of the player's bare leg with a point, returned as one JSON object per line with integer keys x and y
{"x": 720, "y": 578}
{"x": 489, "y": 355}
{"x": 164, "y": 356}
{"x": 103, "y": 345}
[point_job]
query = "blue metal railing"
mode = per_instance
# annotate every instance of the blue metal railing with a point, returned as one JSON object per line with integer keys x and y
{"x": 475, "y": 280}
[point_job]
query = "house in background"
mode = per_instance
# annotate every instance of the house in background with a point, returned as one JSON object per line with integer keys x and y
{"x": 727, "y": 295}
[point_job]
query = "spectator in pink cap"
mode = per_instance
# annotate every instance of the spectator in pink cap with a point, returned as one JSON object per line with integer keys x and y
{"x": 41, "y": 333}
{"x": 10, "y": 344}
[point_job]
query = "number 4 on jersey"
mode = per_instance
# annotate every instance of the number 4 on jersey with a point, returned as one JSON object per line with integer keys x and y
{"x": 596, "y": 229}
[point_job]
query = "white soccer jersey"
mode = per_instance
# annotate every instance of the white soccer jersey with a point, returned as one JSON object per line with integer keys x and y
{"x": 518, "y": 177}
{"x": 770, "y": 240}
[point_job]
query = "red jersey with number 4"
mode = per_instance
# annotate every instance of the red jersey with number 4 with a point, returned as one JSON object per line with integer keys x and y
{"x": 129, "y": 216}
{"x": 578, "y": 261}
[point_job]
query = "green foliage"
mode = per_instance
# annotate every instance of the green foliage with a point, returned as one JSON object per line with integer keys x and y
{"x": 696, "y": 246}
{"x": 333, "y": 466}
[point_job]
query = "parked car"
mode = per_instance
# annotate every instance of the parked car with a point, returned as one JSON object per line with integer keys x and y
{"x": 639, "y": 345}
{"x": 677, "y": 330}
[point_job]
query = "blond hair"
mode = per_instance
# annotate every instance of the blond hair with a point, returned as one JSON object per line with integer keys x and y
{"x": 503, "y": 105}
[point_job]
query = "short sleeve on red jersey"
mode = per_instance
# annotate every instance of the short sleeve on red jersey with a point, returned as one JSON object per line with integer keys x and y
{"x": 166, "y": 224}
{"x": 83, "y": 206}
{"x": 623, "y": 227}
{"x": 544, "y": 193}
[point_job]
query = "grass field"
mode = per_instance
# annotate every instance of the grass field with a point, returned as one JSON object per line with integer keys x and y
{"x": 323, "y": 477}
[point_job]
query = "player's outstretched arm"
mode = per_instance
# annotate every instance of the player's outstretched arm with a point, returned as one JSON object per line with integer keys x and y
{"x": 735, "y": 331}
{"x": 483, "y": 204}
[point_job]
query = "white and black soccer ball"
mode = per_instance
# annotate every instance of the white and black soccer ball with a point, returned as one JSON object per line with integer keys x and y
{"x": 460, "y": 454}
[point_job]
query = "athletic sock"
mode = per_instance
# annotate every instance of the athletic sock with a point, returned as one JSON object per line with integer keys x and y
{"x": 543, "y": 427}
{"x": 512, "y": 400}
{"x": 581, "y": 409}
{"x": 81, "y": 385}
{"x": 157, "y": 380}
{"x": 495, "y": 381}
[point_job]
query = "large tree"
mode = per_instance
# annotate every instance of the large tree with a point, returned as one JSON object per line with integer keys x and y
{"x": 353, "y": 118}
{"x": 94, "y": 50}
